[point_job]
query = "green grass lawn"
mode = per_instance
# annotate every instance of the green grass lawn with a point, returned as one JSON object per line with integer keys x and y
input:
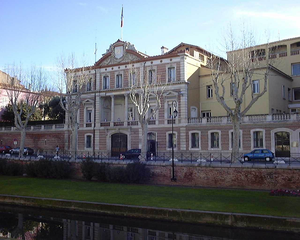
{"x": 237, "y": 201}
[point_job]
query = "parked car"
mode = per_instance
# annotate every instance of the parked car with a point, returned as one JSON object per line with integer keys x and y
{"x": 134, "y": 154}
{"x": 27, "y": 151}
{"x": 260, "y": 154}
{"x": 5, "y": 149}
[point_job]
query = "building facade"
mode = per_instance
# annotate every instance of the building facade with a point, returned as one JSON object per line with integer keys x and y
{"x": 109, "y": 120}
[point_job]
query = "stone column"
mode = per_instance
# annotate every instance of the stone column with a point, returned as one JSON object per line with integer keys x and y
{"x": 126, "y": 109}
{"x": 112, "y": 118}
{"x": 98, "y": 111}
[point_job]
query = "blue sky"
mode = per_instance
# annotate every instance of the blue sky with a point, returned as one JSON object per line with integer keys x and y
{"x": 37, "y": 32}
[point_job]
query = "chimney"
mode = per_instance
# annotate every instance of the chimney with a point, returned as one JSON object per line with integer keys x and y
{"x": 164, "y": 50}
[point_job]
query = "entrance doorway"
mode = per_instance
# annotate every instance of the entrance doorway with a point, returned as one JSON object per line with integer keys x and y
{"x": 282, "y": 144}
{"x": 118, "y": 144}
{"x": 151, "y": 143}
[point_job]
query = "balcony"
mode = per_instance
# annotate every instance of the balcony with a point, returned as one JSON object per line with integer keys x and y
{"x": 295, "y": 52}
{"x": 281, "y": 117}
{"x": 223, "y": 120}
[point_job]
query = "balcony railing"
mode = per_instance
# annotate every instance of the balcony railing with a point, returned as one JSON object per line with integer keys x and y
{"x": 278, "y": 117}
{"x": 132, "y": 123}
{"x": 247, "y": 119}
{"x": 118, "y": 124}
{"x": 295, "y": 51}
{"x": 283, "y": 54}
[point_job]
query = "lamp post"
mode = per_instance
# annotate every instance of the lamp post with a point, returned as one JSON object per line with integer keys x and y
{"x": 173, "y": 116}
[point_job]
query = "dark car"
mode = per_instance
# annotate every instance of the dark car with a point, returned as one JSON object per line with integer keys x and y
{"x": 134, "y": 154}
{"x": 259, "y": 154}
{"x": 27, "y": 151}
{"x": 5, "y": 149}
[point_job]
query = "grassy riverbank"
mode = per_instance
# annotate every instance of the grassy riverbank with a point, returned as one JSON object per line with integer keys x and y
{"x": 235, "y": 201}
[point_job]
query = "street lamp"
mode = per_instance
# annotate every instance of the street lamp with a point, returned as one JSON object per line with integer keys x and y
{"x": 173, "y": 116}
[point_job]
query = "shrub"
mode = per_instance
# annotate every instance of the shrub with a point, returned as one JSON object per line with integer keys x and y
{"x": 31, "y": 169}
{"x": 2, "y": 166}
{"x": 117, "y": 174}
{"x": 88, "y": 169}
{"x": 13, "y": 169}
{"x": 49, "y": 169}
{"x": 10, "y": 168}
{"x": 137, "y": 173}
{"x": 102, "y": 172}
{"x": 62, "y": 169}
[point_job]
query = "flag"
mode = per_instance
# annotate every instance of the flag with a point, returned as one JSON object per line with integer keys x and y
{"x": 122, "y": 17}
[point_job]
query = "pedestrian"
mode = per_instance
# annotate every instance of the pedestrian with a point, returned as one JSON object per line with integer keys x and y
{"x": 57, "y": 149}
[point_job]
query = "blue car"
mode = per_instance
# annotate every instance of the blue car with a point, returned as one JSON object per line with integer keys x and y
{"x": 265, "y": 154}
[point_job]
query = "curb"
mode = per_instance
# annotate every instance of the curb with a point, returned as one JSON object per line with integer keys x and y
{"x": 177, "y": 215}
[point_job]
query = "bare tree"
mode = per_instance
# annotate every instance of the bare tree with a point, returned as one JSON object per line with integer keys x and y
{"x": 145, "y": 94}
{"x": 236, "y": 76}
{"x": 24, "y": 89}
{"x": 72, "y": 84}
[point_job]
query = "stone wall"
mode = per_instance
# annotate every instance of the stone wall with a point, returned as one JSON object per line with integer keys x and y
{"x": 221, "y": 177}
{"x": 227, "y": 177}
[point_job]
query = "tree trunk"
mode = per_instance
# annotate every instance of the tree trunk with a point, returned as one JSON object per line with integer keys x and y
{"x": 74, "y": 140}
{"x": 144, "y": 126}
{"x": 235, "y": 138}
{"x": 22, "y": 141}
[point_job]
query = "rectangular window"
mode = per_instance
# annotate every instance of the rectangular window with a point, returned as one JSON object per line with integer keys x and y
{"x": 119, "y": 81}
{"x": 283, "y": 91}
{"x": 206, "y": 114}
{"x": 171, "y": 74}
{"x": 195, "y": 140}
{"x": 258, "y": 140}
{"x": 296, "y": 94}
{"x": 232, "y": 140}
{"x": 209, "y": 91}
{"x": 214, "y": 140}
{"x": 88, "y": 115}
{"x": 105, "y": 82}
{"x": 130, "y": 114}
{"x": 152, "y": 114}
{"x": 255, "y": 86}
{"x": 296, "y": 69}
{"x": 132, "y": 79}
{"x": 232, "y": 89}
{"x": 89, "y": 85}
{"x": 171, "y": 109}
{"x": 151, "y": 76}
{"x": 289, "y": 94}
{"x": 170, "y": 140}
{"x": 75, "y": 89}
{"x": 88, "y": 141}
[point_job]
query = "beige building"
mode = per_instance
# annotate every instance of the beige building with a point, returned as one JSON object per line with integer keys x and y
{"x": 108, "y": 118}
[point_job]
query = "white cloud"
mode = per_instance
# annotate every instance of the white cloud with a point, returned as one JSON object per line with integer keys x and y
{"x": 102, "y": 9}
{"x": 82, "y": 4}
{"x": 270, "y": 15}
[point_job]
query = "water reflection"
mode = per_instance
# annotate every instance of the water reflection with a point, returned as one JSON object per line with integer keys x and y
{"x": 30, "y": 224}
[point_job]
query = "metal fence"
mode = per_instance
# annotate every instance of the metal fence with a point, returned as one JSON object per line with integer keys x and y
{"x": 204, "y": 158}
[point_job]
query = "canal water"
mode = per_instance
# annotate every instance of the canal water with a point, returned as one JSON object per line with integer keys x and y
{"x": 40, "y": 224}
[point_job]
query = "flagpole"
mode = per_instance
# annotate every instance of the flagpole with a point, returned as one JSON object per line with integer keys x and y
{"x": 122, "y": 22}
{"x": 95, "y": 52}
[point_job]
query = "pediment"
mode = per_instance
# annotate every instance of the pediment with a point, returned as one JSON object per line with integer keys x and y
{"x": 120, "y": 52}
{"x": 170, "y": 94}
{"x": 127, "y": 57}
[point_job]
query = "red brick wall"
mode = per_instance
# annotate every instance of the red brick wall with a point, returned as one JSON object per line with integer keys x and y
{"x": 37, "y": 141}
{"x": 244, "y": 178}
